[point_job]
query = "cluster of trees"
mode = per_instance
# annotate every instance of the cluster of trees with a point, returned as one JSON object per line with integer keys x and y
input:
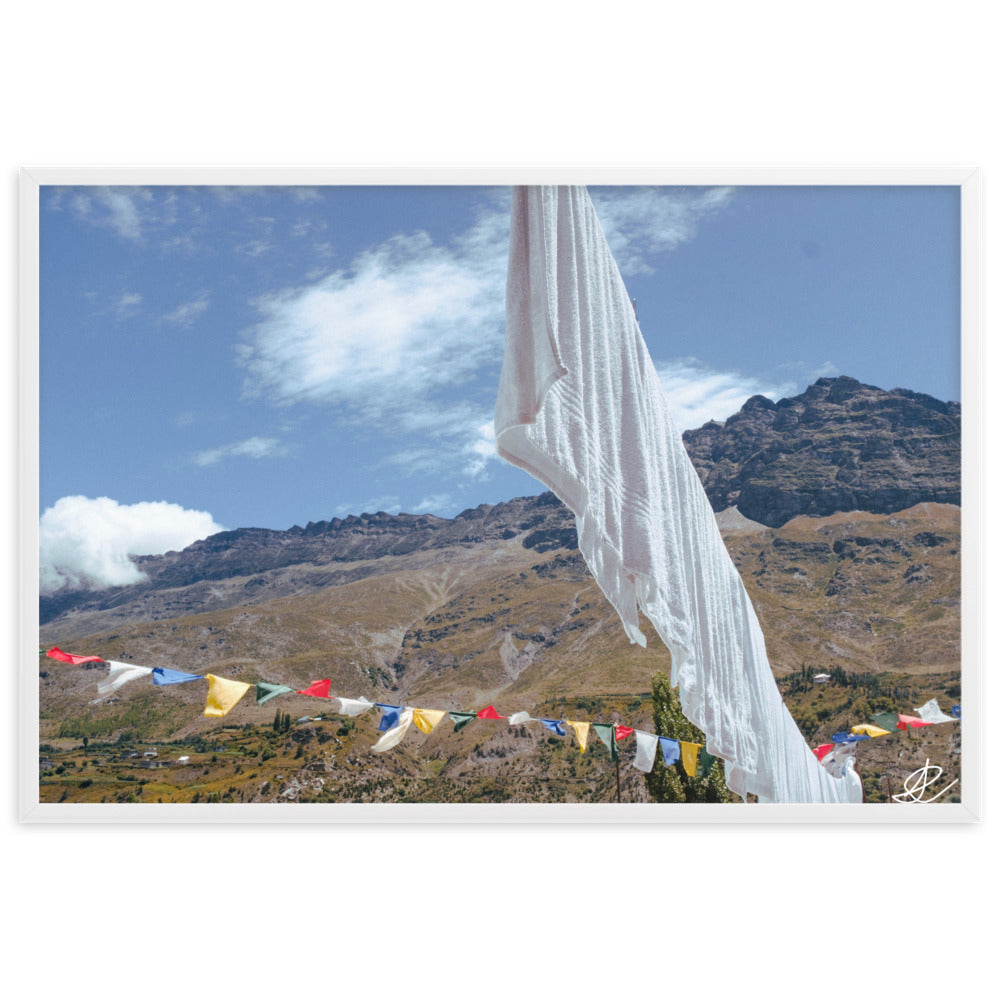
{"x": 673, "y": 784}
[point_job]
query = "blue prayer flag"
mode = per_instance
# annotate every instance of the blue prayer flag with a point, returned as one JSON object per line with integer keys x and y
{"x": 671, "y": 750}
{"x": 164, "y": 675}
{"x": 555, "y": 726}
{"x": 956, "y": 710}
{"x": 390, "y": 716}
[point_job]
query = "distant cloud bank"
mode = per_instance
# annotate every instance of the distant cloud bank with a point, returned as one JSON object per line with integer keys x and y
{"x": 86, "y": 543}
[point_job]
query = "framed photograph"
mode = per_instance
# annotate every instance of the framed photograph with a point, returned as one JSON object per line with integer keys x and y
{"x": 514, "y": 495}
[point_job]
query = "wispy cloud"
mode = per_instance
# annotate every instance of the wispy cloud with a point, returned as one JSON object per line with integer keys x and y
{"x": 187, "y": 312}
{"x": 696, "y": 393}
{"x": 254, "y": 447}
{"x": 120, "y": 209}
{"x": 388, "y": 504}
{"x": 389, "y": 339}
{"x": 642, "y": 221}
{"x": 127, "y": 304}
{"x": 86, "y": 542}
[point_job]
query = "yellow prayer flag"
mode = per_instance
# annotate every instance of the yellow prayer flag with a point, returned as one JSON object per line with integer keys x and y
{"x": 868, "y": 730}
{"x": 582, "y": 730}
{"x": 689, "y": 757}
{"x": 425, "y": 719}
{"x": 223, "y": 695}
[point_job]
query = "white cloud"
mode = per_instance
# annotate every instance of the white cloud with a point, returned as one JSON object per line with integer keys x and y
{"x": 434, "y": 504}
{"x": 696, "y": 393}
{"x": 121, "y": 209}
{"x": 86, "y": 543}
{"x": 391, "y": 338}
{"x": 254, "y": 447}
{"x": 187, "y": 312}
{"x": 127, "y": 304}
{"x": 641, "y": 221}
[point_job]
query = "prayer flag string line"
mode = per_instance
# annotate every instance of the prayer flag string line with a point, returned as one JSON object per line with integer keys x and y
{"x": 224, "y": 693}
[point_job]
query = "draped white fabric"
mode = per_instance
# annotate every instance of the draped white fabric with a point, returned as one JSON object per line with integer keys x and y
{"x": 581, "y": 408}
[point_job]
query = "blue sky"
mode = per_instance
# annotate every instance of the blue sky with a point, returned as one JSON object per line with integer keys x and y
{"x": 232, "y": 357}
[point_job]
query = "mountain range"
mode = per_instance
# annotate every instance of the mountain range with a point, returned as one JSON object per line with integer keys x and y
{"x": 839, "y": 508}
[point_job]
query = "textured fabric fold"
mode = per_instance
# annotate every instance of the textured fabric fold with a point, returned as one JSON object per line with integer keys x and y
{"x": 121, "y": 673}
{"x": 223, "y": 694}
{"x": 392, "y": 736}
{"x": 164, "y": 675}
{"x": 581, "y": 408}
{"x": 317, "y": 689}
{"x": 461, "y": 719}
{"x": 56, "y": 653}
{"x": 689, "y": 757}
{"x": 350, "y": 706}
{"x": 645, "y": 750}
{"x": 265, "y": 691}
{"x": 582, "y": 730}
{"x": 606, "y": 734}
{"x": 425, "y": 719}
{"x": 390, "y": 716}
{"x": 930, "y": 711}
{"x": 865, "y": 729}
{"x": 670, "y": 749}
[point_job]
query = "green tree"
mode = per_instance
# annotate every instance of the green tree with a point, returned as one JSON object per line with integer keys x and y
{"x": 672, "y": 784}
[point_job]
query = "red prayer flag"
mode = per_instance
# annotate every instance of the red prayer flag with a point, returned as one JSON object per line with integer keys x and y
{"x": 911, "y": 722}
{"x": 822, "y": 751}
{"x": 57, "y": 654}
{"x": 622, "y": 732}
{"x": 318, "y": 689}
{"x": 490, "y": 713}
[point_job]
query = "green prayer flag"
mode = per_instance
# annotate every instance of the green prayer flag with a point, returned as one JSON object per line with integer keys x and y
{"x": 887, "y": 720}
{"x": 705, "y": 762}
{"x": 265, "y": 692}
{"x": 606, "y": 734}
{"x": 461, "y": 719}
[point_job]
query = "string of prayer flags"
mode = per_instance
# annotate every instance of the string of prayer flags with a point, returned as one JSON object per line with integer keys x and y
{"x": 866, "y": 729}
{"x": 265, "y": 692}
{"x": 425, "y": 719}
{"x": 689, "y": 757}
{"x": 489, "y": 713}
{"x": 670, "y": 749}
{"x": 582, "y": 730}
{"x": 606, "y": 734}
{"x": 223, "y": 694}
{"x": 645, "y": 751}
{"x": 121, "y": 673}
{"x": 317, "y": 689}
{"x": 554, "y": 725}
{"x": 390, "y": 716}
{"x": 57, "y": 654}
{"x": 392, "y": 736}
{"x": 351, "y": 706}
{"x": 461, "y": 719}
{"x": 518, "y": 718}
{"x": 164, "y": 675}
